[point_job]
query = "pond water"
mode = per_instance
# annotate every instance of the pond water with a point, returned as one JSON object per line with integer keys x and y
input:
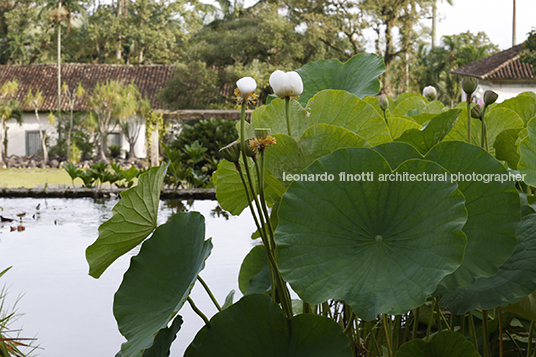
{"x": 69, "y": 312}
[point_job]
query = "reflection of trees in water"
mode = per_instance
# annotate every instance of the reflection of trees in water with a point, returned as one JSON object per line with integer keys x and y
{"x": 219, "y": 212}
{"x": 176, "y": 206}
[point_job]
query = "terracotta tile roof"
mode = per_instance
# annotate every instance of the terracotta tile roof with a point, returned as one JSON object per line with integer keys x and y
{"x": 504, "y": 65}
{"x": 149, "y": 80}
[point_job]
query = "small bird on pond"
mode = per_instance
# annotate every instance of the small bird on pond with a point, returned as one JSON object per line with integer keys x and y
{"x": 5, "y": 219}
{"x": 38, "y": 206}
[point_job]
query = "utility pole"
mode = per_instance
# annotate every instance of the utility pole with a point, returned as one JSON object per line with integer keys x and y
{"x": 514, "y": 41}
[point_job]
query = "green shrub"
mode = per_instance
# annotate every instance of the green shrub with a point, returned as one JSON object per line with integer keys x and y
{"x": 115, "y": 151}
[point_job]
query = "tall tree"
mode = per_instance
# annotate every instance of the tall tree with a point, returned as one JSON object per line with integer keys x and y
{"x": 35, "y": 101}
{"x": 9, "y": 109}
{"x": 104, "y": 102}
{"x": 71, "y": 96}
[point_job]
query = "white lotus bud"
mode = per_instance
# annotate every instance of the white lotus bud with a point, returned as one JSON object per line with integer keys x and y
{"x": 287, "y": 84}
{"x": 246, "y": 86}
{"x": 429, "y": 92}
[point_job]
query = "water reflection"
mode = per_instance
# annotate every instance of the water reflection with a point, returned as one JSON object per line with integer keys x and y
{"x": 64, "y": 307}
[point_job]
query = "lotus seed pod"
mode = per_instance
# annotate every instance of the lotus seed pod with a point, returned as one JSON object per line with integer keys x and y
{"x": 231, "y": 152}
{"x": 469, "y": 85}
{"x": 476, "y": 112}
{"x": 490, "y": 97}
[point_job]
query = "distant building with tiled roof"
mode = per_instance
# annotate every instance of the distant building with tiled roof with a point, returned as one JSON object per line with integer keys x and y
{"x": 502, "y": 72}
{"x": 44, "y": 77}
{"x": 24, "y": 139}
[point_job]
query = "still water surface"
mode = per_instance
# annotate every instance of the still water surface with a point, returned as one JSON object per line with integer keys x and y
{"x": 69, "y": 312}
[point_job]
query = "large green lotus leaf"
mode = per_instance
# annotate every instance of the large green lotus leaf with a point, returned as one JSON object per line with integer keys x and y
{"x": 397, "y": 152}
{"x": 359, "y": 76}
{"x": 434, "y": 107}
{"x": 254, "y": 276}
{"x": 273, "y": 116}
{"x": 442, "y": 344}
{"x": 527, "y": 151}
{"x": 515, "y": 279}
{"x": 505, "y": 147}
{"x": 290, "y": 157}
{"x": 524, "y": 106}
{"x": 423, "y": 118}
{"x": 425, "y": 138}
{"x": 334, "y": 107}
{"x": 411, "y": 103}
{"x": 380, "y": 246}
{"x": 530, "y": 94}
{"x": 344, "y": 109}
{"x": 163, "y": 340}
{"x": 229, "y": 187}
{"x": 256, "y": 327}
{"x": 374, "y": 102}
{"x": 526, "y": 308}
{"x": 402, "y": 97}
{"x": 398, "y": 125}
{"x": 159, "y": 280}
{"x": 494, "y": 210}
{"x": 134, "y": 218}
{"x": 497, "y": 120}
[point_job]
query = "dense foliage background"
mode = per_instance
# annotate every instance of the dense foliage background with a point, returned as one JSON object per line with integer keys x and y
{"x": 214, "y": 44}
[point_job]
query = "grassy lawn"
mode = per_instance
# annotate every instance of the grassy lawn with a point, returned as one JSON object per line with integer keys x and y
{"x": 28, "y": 178}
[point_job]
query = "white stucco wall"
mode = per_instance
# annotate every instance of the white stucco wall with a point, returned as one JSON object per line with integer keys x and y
{"x": 504, "y": 90}
{"x": 17, "y": 135}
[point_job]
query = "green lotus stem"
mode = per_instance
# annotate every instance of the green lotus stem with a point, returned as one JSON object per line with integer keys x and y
{"x": 531, "y": 335}
{"x": 415, "y": 323}
{"x": 485, "y": 336}
{"x": 198, "y": 312}
{"x": 438, "y": 316}
{"x": 387, "y": 338}
{"x": 468, "y": 121}
{"x": 500, "y": 334}
{"x": 472, "y": 330}
{"x": 462, "y": 325}
{"x": 306, "y": 307}
{"x": 406, "y": 329}
{"x": 287, "y": 113}
{"x": 257, "y": 224}
{"x": 385, "y": 117}
{"x": 484, "y": 138}
{"x": 396, "y": 331}
{"x": 260, "y": 174}
{"x": 207, "y": 289}
{"x": 430, "y": 321}
{"x": 350, "y": 323}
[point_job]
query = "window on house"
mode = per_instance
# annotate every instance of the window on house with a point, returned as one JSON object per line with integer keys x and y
{"x": 114, "y": 139}
{"x": 33, "y": 143}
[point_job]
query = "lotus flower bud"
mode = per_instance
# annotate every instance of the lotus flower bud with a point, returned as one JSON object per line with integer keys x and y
{"x": 383, "y": 102}
{"x": 469, "y": 85}
{"x": 231, "y": 152}
{"x": 490, "y": 97}
{"x": 429, "y": 92}
{"x": 249, "y": 151}
{"x": 246, "y": 86}
{"x": 287, "y": 84}
{"x": 476, "y": 112}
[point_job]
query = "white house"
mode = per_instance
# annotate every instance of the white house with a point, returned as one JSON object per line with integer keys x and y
{"x": 24, "y": 139}
{"x": 502, "y": 73}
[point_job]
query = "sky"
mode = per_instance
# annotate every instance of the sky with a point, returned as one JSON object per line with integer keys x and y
{"x": 494, "y": 17}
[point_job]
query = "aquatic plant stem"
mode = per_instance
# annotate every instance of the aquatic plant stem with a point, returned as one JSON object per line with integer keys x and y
{"x": 415, "y": 323}
{"x": 350, "y": 323}
{"x": 198, "y": 312}
{"x": 485, "y": 336}
{"x": 207, "y": 289}
{"x": 468, "y": 120}
{"x": 531, "y": 336}
{"x": 287, "y": 113}
{"x": 484, "y": 133}
{"x": 387, "y": 338}
{"x": 500, "y": 334}
{"x": 472, "y": 331}
{"x": 385, "y": 117}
